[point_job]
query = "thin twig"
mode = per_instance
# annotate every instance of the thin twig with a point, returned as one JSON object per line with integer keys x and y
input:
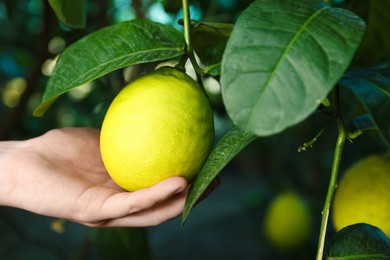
{"x": 334, "y": 173}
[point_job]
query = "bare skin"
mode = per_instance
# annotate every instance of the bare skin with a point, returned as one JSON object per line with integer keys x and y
{"x": 61, "y": 174}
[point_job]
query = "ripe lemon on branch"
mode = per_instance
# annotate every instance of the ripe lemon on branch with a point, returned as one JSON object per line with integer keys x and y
{"x": 158, "y": 126}
{"x": 363, "y": 195}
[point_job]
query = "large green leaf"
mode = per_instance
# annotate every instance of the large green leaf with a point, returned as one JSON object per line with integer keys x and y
{"x": 226, "y": 149}
{"x": 359, "y": 242}
{"x": 378, "y": 76}
{"x": 365, "y": 122}
{"x": 109, "y": 49}
{"x": 372, "y": 88}
{"x": 282, "y": 59}
{"x": 70, "y": 12}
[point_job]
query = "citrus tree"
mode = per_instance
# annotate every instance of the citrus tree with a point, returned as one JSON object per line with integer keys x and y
{"x": 279, "y": 63}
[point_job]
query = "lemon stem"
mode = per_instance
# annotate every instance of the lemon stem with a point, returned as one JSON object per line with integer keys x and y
{"x": 187, "y": 26}
{"x": 182, "y": 63}
{"x": 187, "y": 38}
{"x": 342, "y": 135}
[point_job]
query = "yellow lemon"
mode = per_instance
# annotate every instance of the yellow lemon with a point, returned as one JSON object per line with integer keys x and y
{"x": 363, "y": 195}
{"x": 158, "y": 126}
{"x": 287, "y": 221}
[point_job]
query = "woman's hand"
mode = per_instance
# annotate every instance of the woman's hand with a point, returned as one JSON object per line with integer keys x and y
{"x": 61, "y": 174}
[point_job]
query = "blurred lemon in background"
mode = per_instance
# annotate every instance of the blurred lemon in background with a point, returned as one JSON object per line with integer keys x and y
{"x": 363, "y": 195}
{"x": 287, "y": 222}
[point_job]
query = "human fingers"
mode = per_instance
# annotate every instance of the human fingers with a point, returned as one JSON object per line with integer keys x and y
{"x": 153, "y": 216}
{"x": 122, "y": 204}
{"x": 162, "y": 212}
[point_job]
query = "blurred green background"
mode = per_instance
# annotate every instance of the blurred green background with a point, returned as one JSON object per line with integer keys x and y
{"x": 229, "y": 223}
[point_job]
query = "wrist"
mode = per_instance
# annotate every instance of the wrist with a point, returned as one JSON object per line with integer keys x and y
{"x": 10, "y": 154}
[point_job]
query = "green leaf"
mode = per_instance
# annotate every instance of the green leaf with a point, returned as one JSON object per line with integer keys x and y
{"x": 359, "y": 242}
{"x": 378, "y": 76}
{"x": 365, "y": 122}
{"x": 209, "y": 42}
{"x": 375, "y": 46}
{"x": 282, "y": 59}
{"x": 109, "y": 49}
{"x": 372, "y": 89}
{"x": 70, "y": 12}
{"x": 226, "y": 149}
{"x": 120, "y": 243}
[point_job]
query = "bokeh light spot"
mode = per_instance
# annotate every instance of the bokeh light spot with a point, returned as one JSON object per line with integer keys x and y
{"x": 12, "y": 91}
{"x": 56, "y": 45}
